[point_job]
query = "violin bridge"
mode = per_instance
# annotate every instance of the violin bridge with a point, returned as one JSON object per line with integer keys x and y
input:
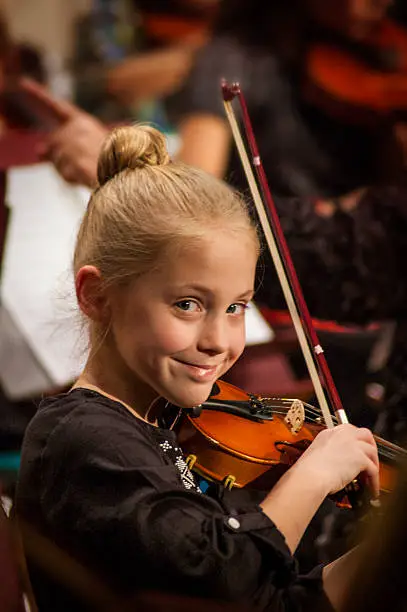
{"x": 295, "y": 416}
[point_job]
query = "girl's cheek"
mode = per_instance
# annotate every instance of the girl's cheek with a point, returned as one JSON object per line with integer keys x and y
{"x": 177, "y": 337}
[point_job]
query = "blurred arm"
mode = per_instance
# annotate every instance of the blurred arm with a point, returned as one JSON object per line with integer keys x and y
{"x": 150, "y": 75}
{"x": 205, "y": 143}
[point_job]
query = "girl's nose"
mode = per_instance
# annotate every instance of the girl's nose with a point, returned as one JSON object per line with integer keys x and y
{"x": 214, "y": 337}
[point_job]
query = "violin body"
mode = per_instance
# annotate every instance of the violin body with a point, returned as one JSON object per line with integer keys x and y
{"x": 243, "y": 440}
{"x": 362, "y": 81}
{"x": 363, "y": 84}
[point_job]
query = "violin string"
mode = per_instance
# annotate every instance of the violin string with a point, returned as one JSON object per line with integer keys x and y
{"x": 386, "y": 449}
{"x": 383, "y": 450}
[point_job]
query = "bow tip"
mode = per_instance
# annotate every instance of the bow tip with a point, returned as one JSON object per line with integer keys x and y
{"x": 229, "y": 91}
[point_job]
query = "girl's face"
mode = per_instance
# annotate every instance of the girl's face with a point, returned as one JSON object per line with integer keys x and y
{"x": 177, "y": 329}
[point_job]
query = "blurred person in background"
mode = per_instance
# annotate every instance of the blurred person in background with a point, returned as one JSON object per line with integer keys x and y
{"x": 128, "y": 57}
{"x": 129, "y": 53}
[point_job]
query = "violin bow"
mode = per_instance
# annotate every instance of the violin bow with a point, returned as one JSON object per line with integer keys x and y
{"x": 266, "y": 210}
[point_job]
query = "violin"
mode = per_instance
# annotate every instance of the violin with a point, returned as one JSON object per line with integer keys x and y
{"x": 359, "y": 81}
{"x": 363, "y": 84}
{"x": 244, "y": 440}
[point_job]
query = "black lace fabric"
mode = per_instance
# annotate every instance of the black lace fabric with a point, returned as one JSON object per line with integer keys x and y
{"x": 351, "y": 268}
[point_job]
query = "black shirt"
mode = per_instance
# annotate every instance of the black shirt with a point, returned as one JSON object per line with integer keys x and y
{"x": 116, "y": 494}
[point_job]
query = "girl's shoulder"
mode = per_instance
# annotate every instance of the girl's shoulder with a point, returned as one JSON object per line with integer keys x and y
{"x": 78, "y": 399}
{"x": 85, "y": 407}
{"x": 84, "y": 419}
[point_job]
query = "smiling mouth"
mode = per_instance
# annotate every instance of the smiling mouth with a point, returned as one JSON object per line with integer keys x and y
{"x": 199, "y": 365}
{"x": 199, "y": 371}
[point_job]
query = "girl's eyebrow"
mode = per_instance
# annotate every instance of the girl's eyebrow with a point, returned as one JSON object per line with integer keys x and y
{"x": 247, "y": 295}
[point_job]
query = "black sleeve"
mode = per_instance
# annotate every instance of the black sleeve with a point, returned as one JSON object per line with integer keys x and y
{"x": 222, "y": 58}
{"x": 107, "y": 490}
{"x": 350, "y": 265}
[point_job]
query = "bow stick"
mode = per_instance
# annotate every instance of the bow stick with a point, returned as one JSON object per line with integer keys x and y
{"x": 283, "y": 263}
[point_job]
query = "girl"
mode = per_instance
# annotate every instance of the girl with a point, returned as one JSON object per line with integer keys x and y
{"x": 164, "y": 268}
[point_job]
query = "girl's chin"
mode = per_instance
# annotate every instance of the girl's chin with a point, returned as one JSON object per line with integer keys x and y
{"x": 189, "y": 400}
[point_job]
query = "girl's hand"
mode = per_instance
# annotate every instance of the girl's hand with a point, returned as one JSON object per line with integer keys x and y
{"x": 333, "y": 460}
{"x": 339, "y": 455}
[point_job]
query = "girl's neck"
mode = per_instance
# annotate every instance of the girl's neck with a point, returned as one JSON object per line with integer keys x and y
{"x": 107, "y": 376}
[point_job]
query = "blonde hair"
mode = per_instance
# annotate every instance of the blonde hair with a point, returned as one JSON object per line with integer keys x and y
{"x": 145, "y": 203}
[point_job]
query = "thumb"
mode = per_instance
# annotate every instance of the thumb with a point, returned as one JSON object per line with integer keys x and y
{"x": 58, "y": 110}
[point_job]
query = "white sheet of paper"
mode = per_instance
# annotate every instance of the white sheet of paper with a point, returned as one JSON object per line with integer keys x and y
{"x": 36, "y": 279}
{"x": 258, "y": 331}
{"x": 21, "y": 374}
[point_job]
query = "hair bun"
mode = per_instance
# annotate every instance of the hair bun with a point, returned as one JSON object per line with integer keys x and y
{"x": 130, "y": 148}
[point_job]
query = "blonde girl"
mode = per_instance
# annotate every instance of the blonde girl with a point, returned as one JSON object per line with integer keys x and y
{"x": 164, "y": 270}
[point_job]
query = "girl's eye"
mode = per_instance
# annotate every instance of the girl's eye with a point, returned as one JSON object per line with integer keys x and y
{"x": 187, "y": 306}
{"x": 237, "y": 309}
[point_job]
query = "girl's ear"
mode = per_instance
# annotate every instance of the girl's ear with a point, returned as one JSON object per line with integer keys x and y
{"x": 92, "y": 299}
